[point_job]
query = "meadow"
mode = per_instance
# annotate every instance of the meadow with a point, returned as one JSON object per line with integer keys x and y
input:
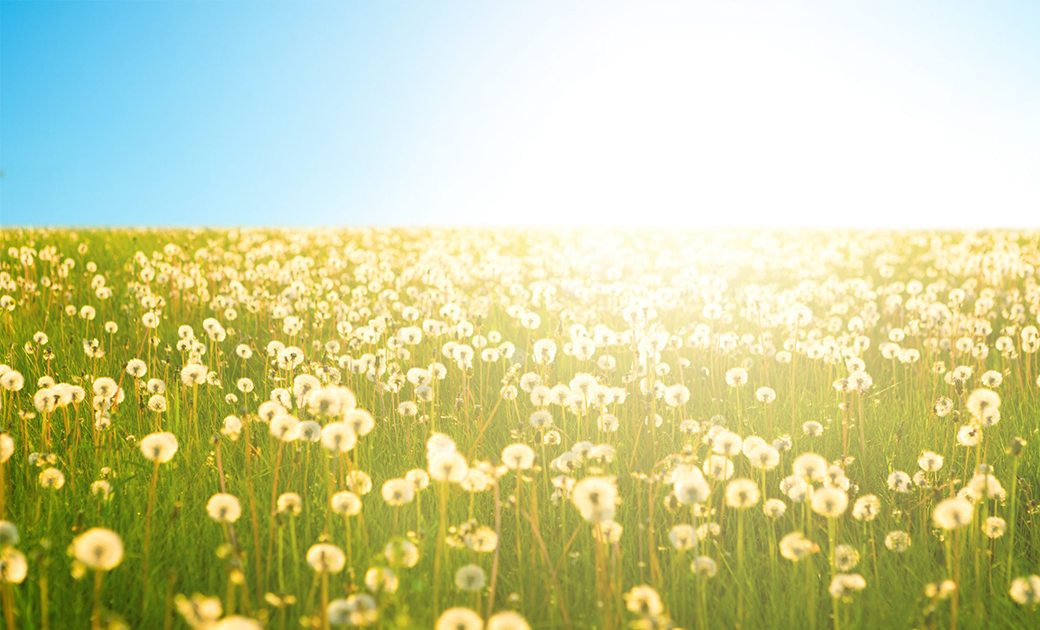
{"x": 511, "y": 429}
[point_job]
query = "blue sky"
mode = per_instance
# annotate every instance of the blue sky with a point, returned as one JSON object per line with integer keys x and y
{"x": 872, "y": 114}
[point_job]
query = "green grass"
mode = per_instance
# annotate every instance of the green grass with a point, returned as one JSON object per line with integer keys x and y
{"x": 548, "y": 565}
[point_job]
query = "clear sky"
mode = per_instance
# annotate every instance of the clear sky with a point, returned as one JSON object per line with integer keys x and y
{"x": 872, "y": 114}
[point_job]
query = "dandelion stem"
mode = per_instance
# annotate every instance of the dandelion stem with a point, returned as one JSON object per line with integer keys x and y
{"x": 148, "y": 534}
{"x": 95, "y": 617}
{"x": 1013, "y": 518}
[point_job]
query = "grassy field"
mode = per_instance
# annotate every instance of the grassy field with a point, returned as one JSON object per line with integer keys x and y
{"x": 464, "y": 429}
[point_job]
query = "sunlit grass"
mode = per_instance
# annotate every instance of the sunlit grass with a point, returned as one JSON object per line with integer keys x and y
{"x": 241, "y": 429}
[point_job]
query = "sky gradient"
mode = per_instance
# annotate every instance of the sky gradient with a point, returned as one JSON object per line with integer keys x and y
{"x": 869, "y": 114}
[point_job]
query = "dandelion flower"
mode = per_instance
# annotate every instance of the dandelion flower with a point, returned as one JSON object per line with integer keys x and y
{"x": 595, "y": 498}
{"x": 844, "y": 584}
{"x": 829, "y": 502}
{"x": 289, "y": 503}
{"x": 507, "y": 620}
{"x": 930, "y": 462}
{"x": 741, "y": 493}
{"x": 682, "y": 537}
{"x": 401, "y": 552}
{"x": 346, "y": 503}
{"x": 982, "y": 404}
{"x": 644, "y": 600}
{"x": 518, "y": 457}
{"x": 194, "y": 374}
{"x": 845, "y": 558}
{"x": 1026, "y": 590}
{"x": 326, "y": 558}
{"x": 52, "y": 478}
{"x": 159, "y": 447}
{"x": 358, "y": 609}
{"x": 236, "y": 622}
{"x": 866, "y": 508}
{"x": 952, "y": 513}
{"x": 704, "y": 566}
{"x": 224, "y": 508}
{"x": 459, "y": 619}
{"x": 338, "y": 437}
{"x": 812, "y": 428}
{"x": 774, "y": 508}
{"x": 736, "y": 377}
{"x": 98, "y": 548}
{"x": 470, "y": 578}
{"x": 968, "y": 435}
{"x": 795, "y": 546}
{"x": 6, "y": 447}
{"x": 13, "y": 566}
{"x": 12, "y": 381}
{"x": 157, "y": 403}
{"x": 764, "y": 457}
{"x": 811, "y": 467}
{"x": 397, "y": 492}
{"x": 381, "y": 579}
{"x": 899, "y": 481}
{"x": 449, "y": 467}
{"x": 691, "y": 488}
{"x": 897, "y": 541}
{"x": 994, "y": 527}
{"x": 765, "y": 395}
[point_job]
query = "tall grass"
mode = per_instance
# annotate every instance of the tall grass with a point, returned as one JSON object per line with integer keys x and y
{"x": 834, "y": 325}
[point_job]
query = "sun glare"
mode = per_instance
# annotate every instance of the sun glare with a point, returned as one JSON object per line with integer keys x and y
{"x": 742, "y": 131}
